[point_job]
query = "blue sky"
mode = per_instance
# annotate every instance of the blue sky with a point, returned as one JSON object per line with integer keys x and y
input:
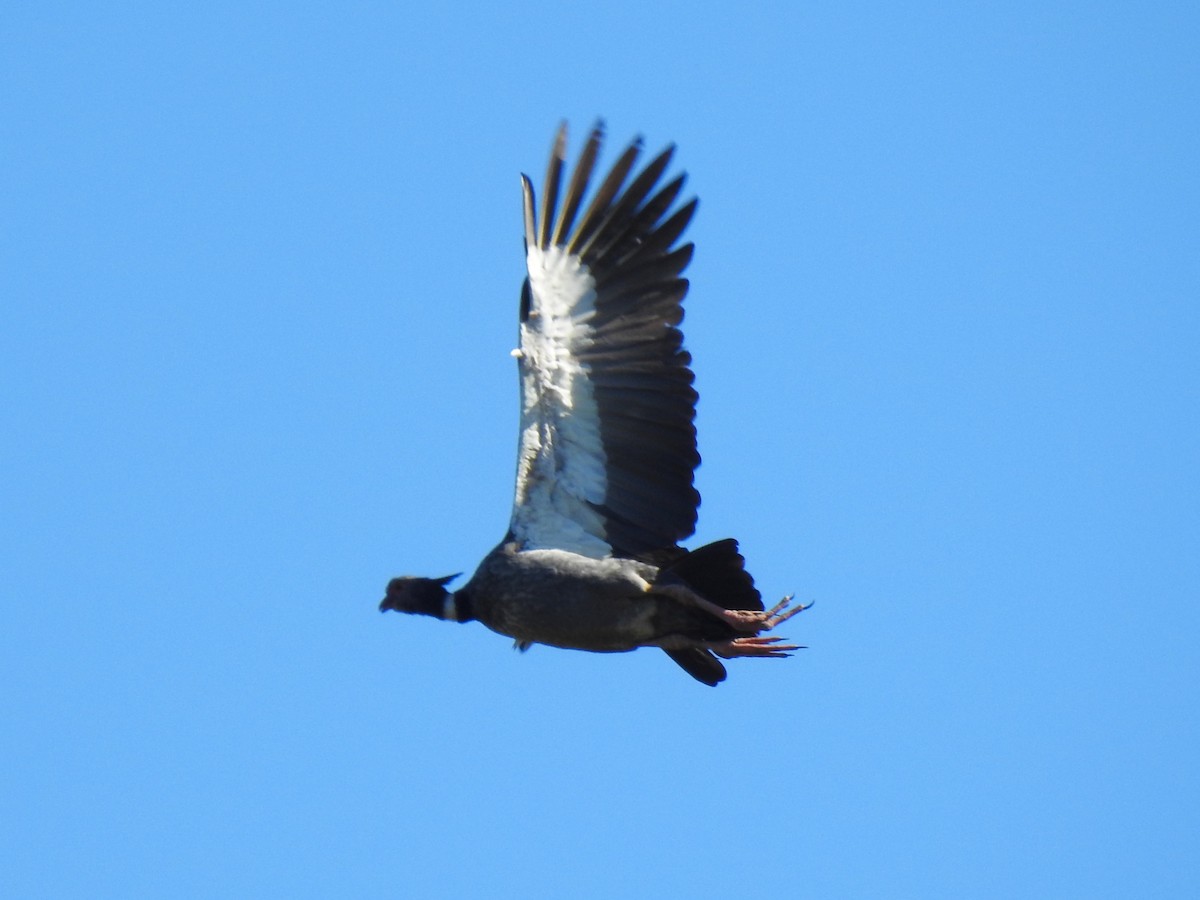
{"x": 259, "y": 275}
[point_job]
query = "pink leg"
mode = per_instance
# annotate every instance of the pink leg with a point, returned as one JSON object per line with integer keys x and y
{"x": 748, "y": 621}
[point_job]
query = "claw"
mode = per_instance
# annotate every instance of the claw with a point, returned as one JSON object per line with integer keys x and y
{"x": 776, "y": 616}
{"x": 759, "y": 647}
{"x": 780, "y": 606}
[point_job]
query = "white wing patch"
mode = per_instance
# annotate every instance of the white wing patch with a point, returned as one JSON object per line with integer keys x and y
{"x": 560, "y": 461}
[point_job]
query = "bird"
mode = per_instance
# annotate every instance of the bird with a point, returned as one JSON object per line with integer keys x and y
{"x": 607, "y": 447}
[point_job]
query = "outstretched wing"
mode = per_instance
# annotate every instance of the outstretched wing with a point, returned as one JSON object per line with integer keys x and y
{"x": 608, "y": 442}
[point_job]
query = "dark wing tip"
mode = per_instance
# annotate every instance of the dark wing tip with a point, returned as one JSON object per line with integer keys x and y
{"x": 529, "y": 210}
{"x": 554, "y": 170}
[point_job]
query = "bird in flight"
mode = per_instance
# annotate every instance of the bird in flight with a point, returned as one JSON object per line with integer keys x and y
{"x": 607, "y": 448}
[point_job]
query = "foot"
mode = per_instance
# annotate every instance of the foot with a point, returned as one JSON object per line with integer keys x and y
{"x": 761, "y": 647}
{"x": 746, "y": 621}
{"x": 752, "y": 621}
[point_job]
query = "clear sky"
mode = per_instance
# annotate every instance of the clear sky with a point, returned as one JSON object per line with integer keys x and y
{"x": 259, "y": 271}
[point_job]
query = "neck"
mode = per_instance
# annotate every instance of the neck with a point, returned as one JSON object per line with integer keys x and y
{"x": 457, "y": 607}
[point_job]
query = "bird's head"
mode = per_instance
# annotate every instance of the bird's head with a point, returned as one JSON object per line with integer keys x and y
{"x": 427, "y": 596}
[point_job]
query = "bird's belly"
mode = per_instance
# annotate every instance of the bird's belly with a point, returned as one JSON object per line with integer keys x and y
{"x": 610, "y": 625}
{"x": 574, "y": 603}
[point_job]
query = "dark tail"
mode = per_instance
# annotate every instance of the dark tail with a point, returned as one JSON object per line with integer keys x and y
{"x": 718, "y": 573}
